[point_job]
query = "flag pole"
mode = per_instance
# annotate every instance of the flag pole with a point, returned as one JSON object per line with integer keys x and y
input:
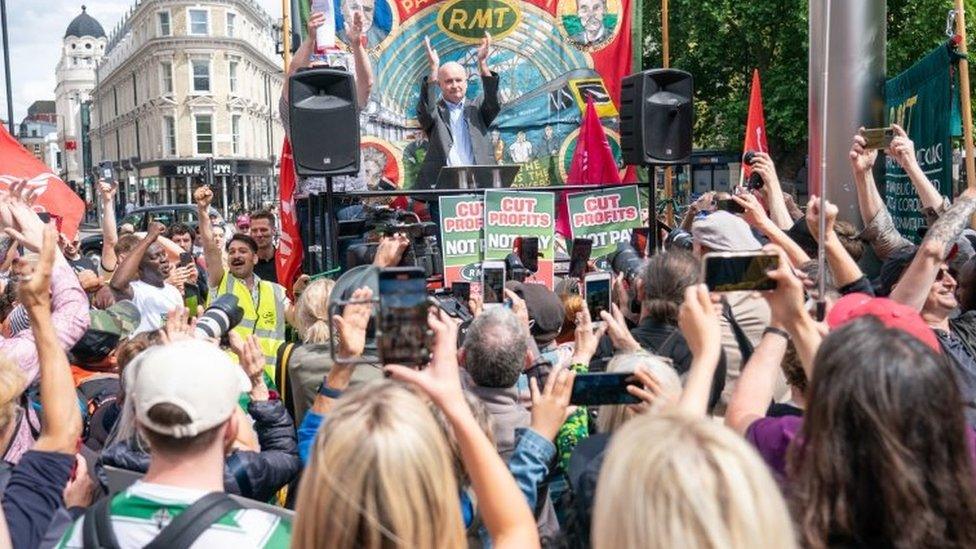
{"x": 6, "y": 66}
{"x": 666, "y": 51}
{"x": 286, "y": 33}
{"x": 967, "y": 112}
{"x": 822, "y": 218}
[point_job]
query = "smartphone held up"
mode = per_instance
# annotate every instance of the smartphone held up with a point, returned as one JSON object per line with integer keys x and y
{"x": 742, "y": 271}
{"x": 402, "y": 335}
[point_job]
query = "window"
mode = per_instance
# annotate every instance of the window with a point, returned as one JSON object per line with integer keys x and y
{"x": 232, "y": 72}
{"x": 203, "y": 125}
{"x": 231, "y": 20}
{"x": 235, "y": 133}
{"x": 163, "y": 19}
{"x": 169, "y": 136}
{"x": 201, "y": 75}
{"x": 199, "y": 22}
{"x": 167, "y": 69}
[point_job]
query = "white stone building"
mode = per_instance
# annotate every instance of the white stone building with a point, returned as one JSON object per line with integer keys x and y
{"x": 83, "y": 46}
{"x": 182, "y": 81}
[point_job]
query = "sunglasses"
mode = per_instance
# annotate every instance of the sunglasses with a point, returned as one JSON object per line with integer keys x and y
{"x": 943, "y": 272}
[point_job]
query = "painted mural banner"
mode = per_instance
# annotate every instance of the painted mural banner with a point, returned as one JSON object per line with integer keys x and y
{"x": 462, "y": 218}
{"x": 551, "y": 55}
{"x": 513, "y": 214}
{"x": 606, "y": 217}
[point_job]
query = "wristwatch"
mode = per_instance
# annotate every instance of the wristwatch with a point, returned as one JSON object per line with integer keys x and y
{"x": 329, "y": 392}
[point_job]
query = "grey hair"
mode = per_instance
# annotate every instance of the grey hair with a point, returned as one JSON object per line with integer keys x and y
{"x": 495, "y": 348}
{"x": 611, "y": 417}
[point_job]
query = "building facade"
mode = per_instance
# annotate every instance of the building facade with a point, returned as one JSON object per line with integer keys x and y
{"x": 82, "y": 48}
{"x": 182, "y": 81}
{"x": 35, "y": 128}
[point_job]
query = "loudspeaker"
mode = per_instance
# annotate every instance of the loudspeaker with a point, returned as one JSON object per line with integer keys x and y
{"x": 656, "y": 117}
{"x": 324, "y": 121}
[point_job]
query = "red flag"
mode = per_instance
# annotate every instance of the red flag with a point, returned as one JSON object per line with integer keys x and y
{"x": 55, "y": 197}
{"x": 288, "y": 259}
{"x": 755, "y": 124}
{"x": 593, "y": 162}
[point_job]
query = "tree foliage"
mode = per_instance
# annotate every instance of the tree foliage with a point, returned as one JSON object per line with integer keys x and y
{"x": 720, "y": 42}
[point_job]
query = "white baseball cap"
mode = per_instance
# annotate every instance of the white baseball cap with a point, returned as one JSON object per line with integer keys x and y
{"x": 193, "y": 375}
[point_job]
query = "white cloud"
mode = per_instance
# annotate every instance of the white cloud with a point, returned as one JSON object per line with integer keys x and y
{"x": 36, "y": 29}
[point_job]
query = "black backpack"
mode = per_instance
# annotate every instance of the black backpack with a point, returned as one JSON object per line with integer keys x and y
{"x": 97, "y": 532}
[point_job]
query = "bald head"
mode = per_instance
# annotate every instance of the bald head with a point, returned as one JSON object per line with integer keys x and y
{"x": 453, "y": 80}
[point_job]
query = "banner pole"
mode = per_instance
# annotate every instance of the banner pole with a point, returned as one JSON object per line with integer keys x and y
{"x": 286, "y": 33}
{"x": 967, "y": 112}
{"x": 666, "y": 51}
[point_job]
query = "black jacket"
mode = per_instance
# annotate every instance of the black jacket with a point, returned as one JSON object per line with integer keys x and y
{"x": 255, "y": 475}
{"x": 433, "y": 116}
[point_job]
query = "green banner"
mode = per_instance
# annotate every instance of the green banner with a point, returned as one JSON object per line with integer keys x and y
{"x": 920, "y": 100}
{"x": 461, "y": 240}
{"x": 606, "y": 217}
{"x": 511, "y": 214}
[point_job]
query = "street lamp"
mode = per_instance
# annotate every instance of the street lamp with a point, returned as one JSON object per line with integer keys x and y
{"x": 6, "y": 66}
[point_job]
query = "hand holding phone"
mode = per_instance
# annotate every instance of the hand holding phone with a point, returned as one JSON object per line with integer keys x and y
{"x": 402, "y": 335}
{"x": 461, "y": 291}
{"x": 877, "y": 138}
{"x": 580, "y": 255}
{"x": 731, "y": 206}
{"x": 186, "y": 258}
{"x": 597, "y": 389}
{"x": 493, "y": 282}
{"x": 596, "y": 291}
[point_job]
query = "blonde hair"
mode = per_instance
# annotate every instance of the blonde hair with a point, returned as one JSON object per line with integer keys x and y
{"x": 12, "y": 383}
{"x": 313, "y": 311}
{"x": 611, "y": 417}
{"x": 673, "y": 480}
{"x": 379, "y": 475}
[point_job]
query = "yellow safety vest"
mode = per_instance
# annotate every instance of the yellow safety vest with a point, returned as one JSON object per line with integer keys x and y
{"x": 265, "y": 319}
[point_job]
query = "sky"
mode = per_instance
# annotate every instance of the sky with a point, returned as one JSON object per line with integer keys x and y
{"x": 36, "y": 28}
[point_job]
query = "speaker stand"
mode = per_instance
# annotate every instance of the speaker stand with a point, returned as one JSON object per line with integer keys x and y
{"x": 652, "y": 225}
{"x": 332, "y": 228}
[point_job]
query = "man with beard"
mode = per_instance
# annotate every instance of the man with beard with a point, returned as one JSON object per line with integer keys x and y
{"x": 141, "y": 278}
{"x": 590, "y": 13}
{"x": 263, "y": 232}
{"x": 266, "y": 306}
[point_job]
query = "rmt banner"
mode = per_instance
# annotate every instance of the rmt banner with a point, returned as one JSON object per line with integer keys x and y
{"x": 550, "y": 56}
{"x": 606, "y": 217}
{"x": 512, "y": 214}
{"x": 461, "y": 238}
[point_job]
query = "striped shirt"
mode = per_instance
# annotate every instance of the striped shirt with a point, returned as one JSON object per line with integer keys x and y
{"x": 141, "y": 512}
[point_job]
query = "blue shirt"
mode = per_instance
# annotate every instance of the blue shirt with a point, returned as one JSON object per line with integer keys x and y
{"x": 461, "y": 153}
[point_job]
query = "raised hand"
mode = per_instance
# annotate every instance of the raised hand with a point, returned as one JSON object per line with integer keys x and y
{"x": 315, "y": 20}
{"x": 587, "y": 341}
{"x": 484, "y": 49}
{"x": 862, "y": 159}
{"x": 351, "y": 324}
{"x": 390, "y": 250}
{"x": 763, "y": 165}
{"x": 519, "y": 308}
{"x": 106, "y": 191}
{"x": 34, "y": 288}
{"x": 754, "y": 214}
{"x": 786, "y": 301}
{"x": 441, "y": 380}
{"x": 699, "y": 322}
{"x": 813, "y": 216}
{"x": 617, "y": 330}
{"x": 202, "y": 197}
{"x": 155, "y": 230}
{"x": 550, "y": 407}
{"x": 178, "y": 327}
{"x": 249, "y": 355}
{"x": 902, "y": 149}
{"x": 354, "y": 29}
{"x": 432, "y": 58}
{"x": 650, "y": 391}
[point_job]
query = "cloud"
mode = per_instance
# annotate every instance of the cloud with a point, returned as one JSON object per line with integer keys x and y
{"x": 36, "y": 30}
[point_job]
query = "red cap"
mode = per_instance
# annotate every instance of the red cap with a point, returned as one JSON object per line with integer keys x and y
{"x": 891, "y": 313}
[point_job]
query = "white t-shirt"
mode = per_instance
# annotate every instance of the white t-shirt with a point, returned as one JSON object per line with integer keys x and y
{"x": 154, "y": 304}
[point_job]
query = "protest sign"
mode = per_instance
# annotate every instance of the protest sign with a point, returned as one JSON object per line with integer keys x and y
{"x": 606, "y": 217}
{"x": 462, "y": 217}
{"x": 511, "y": 214}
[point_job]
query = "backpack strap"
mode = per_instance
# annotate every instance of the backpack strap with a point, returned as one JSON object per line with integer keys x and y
{"x": 741, "y": 339}
{"x": 97, "y": 532}
{"x": 281, "y": 376}
{"x": 194, "y": 521}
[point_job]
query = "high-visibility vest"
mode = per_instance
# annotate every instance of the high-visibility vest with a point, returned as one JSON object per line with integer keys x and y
{"x": 265, "y": 319}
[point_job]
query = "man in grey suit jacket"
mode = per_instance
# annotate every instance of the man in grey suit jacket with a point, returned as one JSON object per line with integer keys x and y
{"x": 456, "y": 128}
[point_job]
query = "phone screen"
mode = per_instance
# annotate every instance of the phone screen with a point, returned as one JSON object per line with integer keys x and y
{"x": 186, "y": 258}
{"x": 494, "y": 284}
{"x": 730, "y": 206}
{"x": 402, "y": 336}
{"x": 877, "y": 138}
{"x": 582, "y": 247}
{"x": 461, "y": 291}
{"x": 107, "y": 174}
{"x": 529, "y": 253}
{"x": 740, "y": 273}
{"x": 603, "y": 388}
{"x": 597, "y": 290}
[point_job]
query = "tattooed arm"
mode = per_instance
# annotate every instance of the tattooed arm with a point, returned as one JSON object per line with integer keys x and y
{"x": 914, "y": 285}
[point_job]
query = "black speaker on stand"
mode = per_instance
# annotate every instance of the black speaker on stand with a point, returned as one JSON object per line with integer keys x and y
{"x": 324, "y": 128}
{"x": 656, "y": 119}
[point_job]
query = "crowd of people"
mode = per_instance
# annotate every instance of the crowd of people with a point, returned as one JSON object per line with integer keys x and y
{"x": 130, "y": 416}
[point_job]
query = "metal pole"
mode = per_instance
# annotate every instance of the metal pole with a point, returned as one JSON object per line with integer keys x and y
{"x": 822, "y": 218}
{"x": 6, "y": 67}
{"x": 666, "y": 50}
{"x": 967, "y": 112}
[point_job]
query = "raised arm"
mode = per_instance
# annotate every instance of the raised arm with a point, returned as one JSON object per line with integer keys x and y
{"x": 786, "y": 305}
{"x": 502, "y": 506}
{"x": 879, "y": 229}
{"x": 902, "y": 151}
{"x": 211, "y": 251}
{"x": 700, "y": 325}
{"x": 364, "y": 69}
{"x": 842, "y": 265}
{"x": 110, "y": 232}
{"x": 490, "y": 107}
{"x": 129, "y": 269}
{"x": 303, "y": 55}
{"x": 60, "y": 417}
{"x": 772, "y": 191}
{"x": 756, "y": 217}
{"x": 757, "y": 384}
{"x": 915, "y": 284}
{"x": 427, "y": 101}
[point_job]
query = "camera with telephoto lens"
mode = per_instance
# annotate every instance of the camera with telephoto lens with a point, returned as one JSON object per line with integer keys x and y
{"x": 679, "y": 239}
{"x": 626, "y": 260}
{"x": 423, "y": 250}
{"x": 221, "y": 317}
{"x": 755, "y": 180}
